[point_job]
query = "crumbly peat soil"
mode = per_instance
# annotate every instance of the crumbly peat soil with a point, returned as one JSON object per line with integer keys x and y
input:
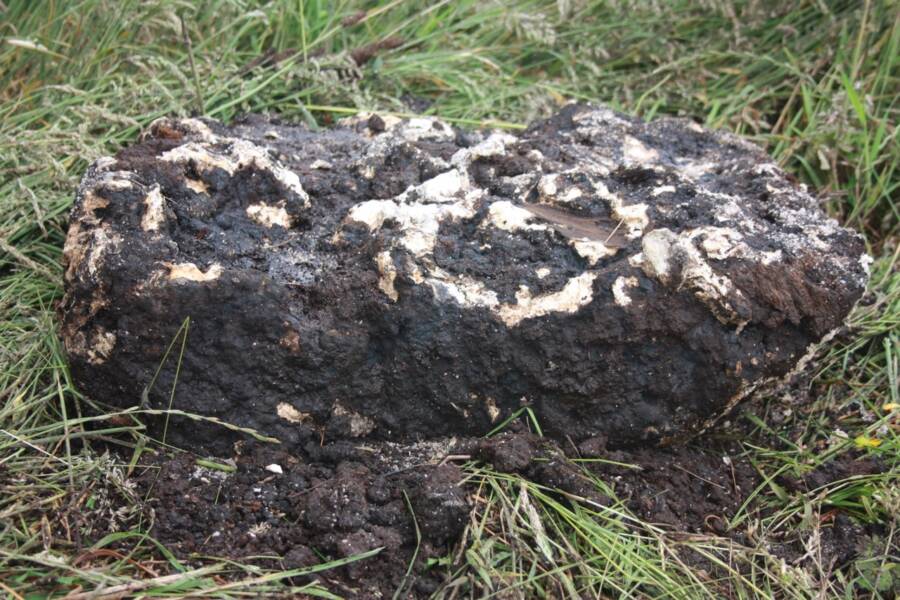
{"x": 293, "y": 510}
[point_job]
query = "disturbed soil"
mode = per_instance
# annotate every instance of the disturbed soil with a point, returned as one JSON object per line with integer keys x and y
{"x": 335, "y": 501}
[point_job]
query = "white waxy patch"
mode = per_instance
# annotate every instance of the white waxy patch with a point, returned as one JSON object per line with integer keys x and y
{"x": 87, "y": 246}
{"x": 712, "y": 289}
{"x": 424, "y": 128}
{"x": 442, "y": 188}
{"x": 411, "y": 130}
{"x": 237, "y": 155}
{"x": 190, "y": 272}
{"x": 419, "y": 223}
{"x": 548, "y": 185}
{"x": 661, "y": 246}
{"x": 592, "y": 250}
{"x": 462, "y": 289}
{"x": 468, "y": 292}
{"x": 291, "y": 414}
{"x": 577, "y": 292}
{"x": 729, "y": 211}
{"x": 359, "y": 425}
{"x": 199, "y": 154}
{"x": 505, "y": 215}
{"x": 195, "y": 185}
{"x": 633, "y": 216}
{"x": 415, "y": 273}
{"x": 770, "y": 257}
{"x": 769, "y": 169}
{"x": 92, "y": 202}
{"x": 571, "y": 195}
{"x": 269, "y": 216}
{"x": 494, "y": 145}
{"x": 663, "y": 189}
{"x": 102, "y": 244}
{"x": 634, "y": 151}
{"x": 419, "y": 212}
{"x": 620, "y": 287}
{"x": 194, "y": 127}
{"x": 154, "y": 210}
{"x": 249, "y": 153}
{"x": 865, "y": 261}
{"x": 444, "y": 197}
{"x": 104, "y": 342}
{"x": 636, "y": 260}
{"x": 388, "y": 274}
{"x": 718, "y": 242}
{"x": 117, "y": 183}
{"x": 104, "y": 163}
{"x": 656, "y": 251}
{"x": 693, "y": 170}
{"x": 492, "y": 410}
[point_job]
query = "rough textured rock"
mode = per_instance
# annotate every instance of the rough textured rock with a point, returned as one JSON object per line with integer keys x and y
{"x": 407, "y": 280}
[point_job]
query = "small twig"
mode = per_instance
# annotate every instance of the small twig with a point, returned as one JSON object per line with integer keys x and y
{"x": 450, "y": 457}
{"x": 12, "y": 593}
{"x": 613, "y": 232}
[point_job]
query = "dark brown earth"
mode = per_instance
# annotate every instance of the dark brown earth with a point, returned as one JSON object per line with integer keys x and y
{"x": 340, "y": 500}
{"x": 405, "y": 280}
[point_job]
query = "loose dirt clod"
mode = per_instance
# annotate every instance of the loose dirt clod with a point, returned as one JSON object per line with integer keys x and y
{"x": 342, "y": 499}
{"x": 401, "y": 279}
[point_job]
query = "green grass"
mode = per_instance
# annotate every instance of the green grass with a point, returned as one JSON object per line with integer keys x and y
{"x": 815, "y": 82}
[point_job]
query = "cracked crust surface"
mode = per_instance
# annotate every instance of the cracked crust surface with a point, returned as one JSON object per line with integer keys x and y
{"x": 623, "y": 278}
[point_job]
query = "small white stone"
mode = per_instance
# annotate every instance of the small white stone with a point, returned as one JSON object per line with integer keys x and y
{"x": 273, "y": 468}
